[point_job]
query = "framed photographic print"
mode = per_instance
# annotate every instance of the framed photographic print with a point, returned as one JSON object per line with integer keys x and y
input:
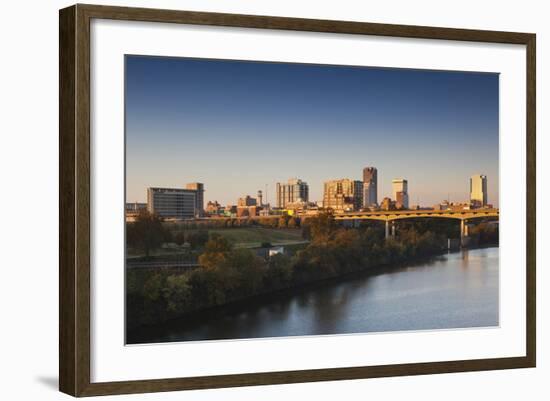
{"x": 251, "y": 200}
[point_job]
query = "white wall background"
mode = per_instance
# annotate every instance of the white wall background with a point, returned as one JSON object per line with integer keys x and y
{"x": 29, "y": 185}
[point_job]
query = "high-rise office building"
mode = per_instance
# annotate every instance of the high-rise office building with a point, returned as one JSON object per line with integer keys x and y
{"x": 295, "y": 190}
{"x": 174, "y": 203}
{"x": 400, "y": 193}
{"x": 401, "y": 200}
{"x": 199, "y": 193}
{"x": 342, "y": 195}
{"x": 478, "y": 190}
{"x": 370, "y": 186}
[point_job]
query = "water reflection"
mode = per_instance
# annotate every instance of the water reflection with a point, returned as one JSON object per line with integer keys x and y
{"x": 455, "y": 290}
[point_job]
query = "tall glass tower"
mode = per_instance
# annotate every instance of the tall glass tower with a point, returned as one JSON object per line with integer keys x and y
{"x": 370, "y": 186}
{"x": 478, "y": 190}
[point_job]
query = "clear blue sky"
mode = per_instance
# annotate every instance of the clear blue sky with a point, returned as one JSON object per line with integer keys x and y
{"x": 237, "y": 126}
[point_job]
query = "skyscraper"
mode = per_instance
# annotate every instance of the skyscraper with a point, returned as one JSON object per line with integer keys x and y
{"x": 478, "y": 190}
{"x": 342, "y": 195}
{"x": 295, "y": 190}
{"x": 401, "y": 193}
{"x": 370, "y": 186}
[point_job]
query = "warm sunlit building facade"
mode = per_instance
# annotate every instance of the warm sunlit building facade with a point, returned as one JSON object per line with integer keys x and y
{"x": 246, "y": 201}
{"x": 295, "y": 190}
{"x": 400, "y": 189}
{"x": 387, "y": 204}
{"x": 343, "y": 195}
{"x": 478, "y": 190}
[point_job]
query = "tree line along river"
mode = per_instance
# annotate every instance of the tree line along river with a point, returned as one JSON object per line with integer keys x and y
{"x": 455, "y": 290}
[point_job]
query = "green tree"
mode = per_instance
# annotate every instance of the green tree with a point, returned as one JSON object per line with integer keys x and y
{"x": 197, "y": 239}
{"x": 217, "y": 243}
{"x": 249, "y": 268}
{"x": 177, "y": 293}
{"x": 179, "y": 238}
{"x": 146, "y": 232}
{"x": 487, "y": 232}
{"x": 209, "y": 287}
{"x": 279, "y": 272}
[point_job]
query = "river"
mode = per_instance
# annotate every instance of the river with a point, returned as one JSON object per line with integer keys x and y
{"x": 456, "y": 290}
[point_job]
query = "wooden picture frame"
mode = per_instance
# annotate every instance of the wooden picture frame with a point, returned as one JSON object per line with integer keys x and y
{"x": 74, "y": 204}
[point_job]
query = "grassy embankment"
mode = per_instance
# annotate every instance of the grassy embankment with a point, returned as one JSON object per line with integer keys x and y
{"x": 239, "y": 237}
{"x": 253, "y": 237}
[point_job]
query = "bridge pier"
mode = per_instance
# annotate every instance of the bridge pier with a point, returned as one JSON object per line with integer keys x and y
{"x": 353, "y": 219}
{"x": 388, "y": 232}
{"x": 463, "y": 232}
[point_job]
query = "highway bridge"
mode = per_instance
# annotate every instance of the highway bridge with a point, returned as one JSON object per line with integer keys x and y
{"x": 390, "y": 216}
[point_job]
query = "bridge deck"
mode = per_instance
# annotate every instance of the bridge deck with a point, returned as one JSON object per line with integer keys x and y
{"x": 409, "y": 214}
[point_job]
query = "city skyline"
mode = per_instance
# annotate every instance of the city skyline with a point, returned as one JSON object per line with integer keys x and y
{"x": 276, "y": 121}
{"x": 479, "y": 196}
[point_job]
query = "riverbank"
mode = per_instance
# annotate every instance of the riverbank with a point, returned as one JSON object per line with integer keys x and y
{"x": 229, "y": 274}
{"x": 296, "y": 289}
{"x": 331, "y": 305}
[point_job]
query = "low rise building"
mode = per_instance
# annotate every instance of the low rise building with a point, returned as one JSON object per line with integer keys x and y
{"x": 246, "y": 201}
{"x": 176, "y": 203}
{"x": 278, "y": 250}
{"x": 132, "y": 210}
{"x": 248, "y": 211}
{"x": 387, "y": 204}
{"x": 213, "y": 208}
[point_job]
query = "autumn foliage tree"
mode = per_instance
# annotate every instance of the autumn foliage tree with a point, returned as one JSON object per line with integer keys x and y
{"x": 215, "y": 252}
{"x": 320, "y": 227}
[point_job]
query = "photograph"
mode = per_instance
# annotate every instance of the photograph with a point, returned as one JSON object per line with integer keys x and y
{"x": 275, "y": 199}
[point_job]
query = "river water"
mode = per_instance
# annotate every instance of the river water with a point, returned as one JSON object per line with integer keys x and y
{"x": 456, "y": 290}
